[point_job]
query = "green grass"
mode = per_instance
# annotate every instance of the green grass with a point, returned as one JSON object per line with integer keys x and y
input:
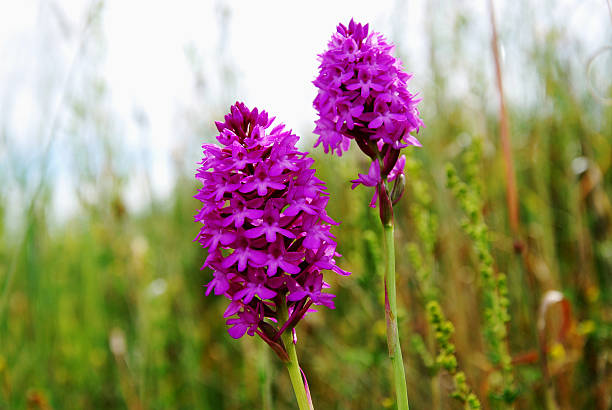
{"x": 107, "y": 310}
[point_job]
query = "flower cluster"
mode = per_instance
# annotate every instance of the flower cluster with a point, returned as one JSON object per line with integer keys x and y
{"x": 264, "y": 225}
{"x": 363, "y": 97}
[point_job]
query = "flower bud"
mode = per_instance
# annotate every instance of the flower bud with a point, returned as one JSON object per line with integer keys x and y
{"x": 386, "y": 207}
{"x": 398, "y": 189}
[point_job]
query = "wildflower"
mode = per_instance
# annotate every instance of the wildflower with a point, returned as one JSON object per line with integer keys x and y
{"x": 362, "y": 96}
{"x": 264, "y": 224}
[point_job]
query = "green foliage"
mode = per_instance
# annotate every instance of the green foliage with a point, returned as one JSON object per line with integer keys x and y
{"x": 462, "y": 392}
{"x": 426, "y": 228}
{"x": 106, "y": 308}
{"x": 494, "y": 290}
{"x": 443, "y": 331}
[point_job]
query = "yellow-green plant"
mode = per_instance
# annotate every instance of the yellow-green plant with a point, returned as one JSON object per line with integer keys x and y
{"x": 422, "y": 259}
{"x": 493, "y": 285}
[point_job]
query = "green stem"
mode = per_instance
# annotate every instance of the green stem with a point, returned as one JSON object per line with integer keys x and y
{"x": 395, "y": 350}
{"x": 293, "y": 367}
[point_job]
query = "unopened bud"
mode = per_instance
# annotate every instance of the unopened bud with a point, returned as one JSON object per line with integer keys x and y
{"x": 398, "y": 188}
{"x": 386, "y": 207}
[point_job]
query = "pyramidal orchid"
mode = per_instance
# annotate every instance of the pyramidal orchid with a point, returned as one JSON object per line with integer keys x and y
{"x": 363, "y": 97}
{"x": 267, "y": 232}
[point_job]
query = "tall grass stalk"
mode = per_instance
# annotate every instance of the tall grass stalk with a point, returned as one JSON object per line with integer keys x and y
{"x": 511, "y": 190}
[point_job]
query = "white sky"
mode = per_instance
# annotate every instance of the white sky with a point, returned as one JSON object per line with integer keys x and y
{"x": 271, "y": 45}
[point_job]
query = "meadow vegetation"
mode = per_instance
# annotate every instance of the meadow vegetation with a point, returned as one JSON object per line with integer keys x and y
{"x": 107, "y": 309}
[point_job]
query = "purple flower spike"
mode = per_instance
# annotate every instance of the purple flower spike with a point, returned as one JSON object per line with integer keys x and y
{"x": 362, "y": 96}
{"x": 264, "y": 224}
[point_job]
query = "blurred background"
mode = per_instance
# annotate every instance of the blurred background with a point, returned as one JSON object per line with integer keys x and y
{"x": 104, "y": 106}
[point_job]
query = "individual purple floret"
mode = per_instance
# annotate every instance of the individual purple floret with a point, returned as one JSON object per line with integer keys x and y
{"x": 363, "y": 97}
{"x": 264, "y": 224}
